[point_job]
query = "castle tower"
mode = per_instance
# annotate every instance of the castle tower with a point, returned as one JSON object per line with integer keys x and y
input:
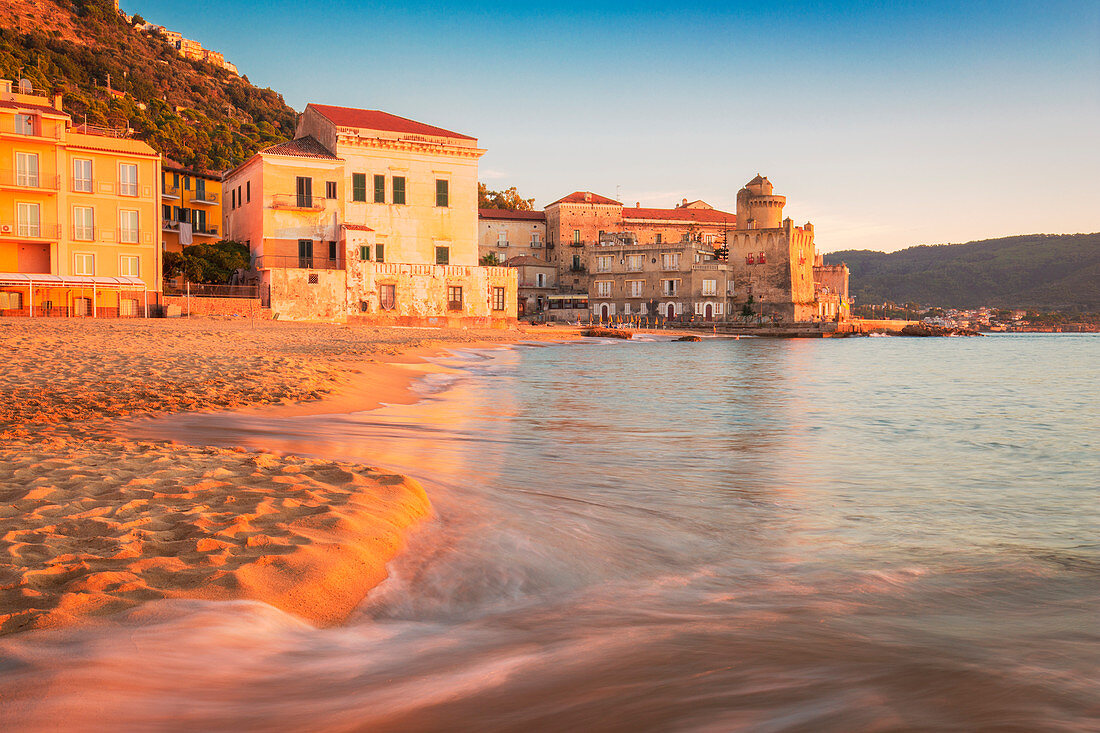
{"x": 758, "y": 207}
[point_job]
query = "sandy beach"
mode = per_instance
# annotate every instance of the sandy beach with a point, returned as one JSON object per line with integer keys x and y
{"x": 92, "y": 523}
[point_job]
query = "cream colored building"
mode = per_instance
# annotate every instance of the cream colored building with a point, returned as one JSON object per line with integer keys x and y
{"x": 79, "y": 212}
{"x": 368, "y": 216}
{"x": 504, "y": 234}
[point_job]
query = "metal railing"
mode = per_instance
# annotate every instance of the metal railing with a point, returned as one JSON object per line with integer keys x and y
{"x": 8, "y": 127}
{"x": 9, "y": 177}
{"x": 171, "y": 225}
{"x": 82, "y": 185}
{"x": 210, "y": 231}
{"x": 295, "y": 201}
{"x": 103, "y": 130}
{"x": 84, "y": 234}
{"x": 171, "y": 192}
{"x": 204, "y": 198}
{"x": 204, "y": 290}
{"x": 298, "y": 262}
{"x": 16, "y": 230}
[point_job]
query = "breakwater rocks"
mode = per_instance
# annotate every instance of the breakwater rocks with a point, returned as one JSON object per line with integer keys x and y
{"x": 609, "y": 333}
{"x": 689, "y": 338}
{"x": 927, "y": 329}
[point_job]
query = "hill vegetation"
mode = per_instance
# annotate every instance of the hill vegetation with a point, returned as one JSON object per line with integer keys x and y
{"x": 194, "y": 112}
{"x": 1034, "y": 271}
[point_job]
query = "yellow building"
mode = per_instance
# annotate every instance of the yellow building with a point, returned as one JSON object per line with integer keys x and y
{"x": 191, "y": 206}
{"x": 366, "y": 216}
{"x": 78, "y": 213}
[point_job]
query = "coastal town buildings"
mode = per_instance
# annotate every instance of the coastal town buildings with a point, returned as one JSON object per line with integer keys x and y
{"x": 537, "y": 283}
{"x": 78, "y": 213}
{"x": 191, "y": 208}
{"x": 369, "y": 217}
{"x": 504, "y": 234}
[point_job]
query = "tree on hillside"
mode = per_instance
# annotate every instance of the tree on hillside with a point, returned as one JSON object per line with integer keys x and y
{"x": 207, "y": 263}
{"x": 508, "y": 199}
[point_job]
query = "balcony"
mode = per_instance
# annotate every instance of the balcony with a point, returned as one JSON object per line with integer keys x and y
{"x": 578, "y": 268}
{"x": 8, "y": 127}
{"x": 28, "y": 181}
{"x": 297, "y": 262}
{"x": 295, "y": 202}
{"x": 33, "y": 232}
{"x": 171, "y": 193}
{"x": 169, "y": 225}
{"x": 205, "y": 198}
{"x": 502, "y": 244}
{"x": 209, "y": 231}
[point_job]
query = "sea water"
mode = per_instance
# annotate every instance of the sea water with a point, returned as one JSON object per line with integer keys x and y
{"x": 766, "y": 535}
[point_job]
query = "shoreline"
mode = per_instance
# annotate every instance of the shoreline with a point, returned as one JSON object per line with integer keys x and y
{"x": 93, "y": 522}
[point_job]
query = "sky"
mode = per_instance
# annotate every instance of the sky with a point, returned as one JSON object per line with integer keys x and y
{"x": 886, "y": 124}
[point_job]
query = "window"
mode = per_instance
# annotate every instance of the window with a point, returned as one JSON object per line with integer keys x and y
{"x": 27, "y": 220}
{"x": 708, "y": 238}
{"x": 332, "y": 251}
{"x": 634, "y": 263}
{"x": 313, "y": 279}
{"x": 127, "y": 179}
{"x": 379, "y": 253}
{"x": 710, "y": 287}
{"x": 502, "y": 238}
{"x": 364, "y": 252}
{"x": 198, "y": 220}
{"x": 128, "y": 227}
{"x": 82, "y": 175}
{"x": 729, "y": 287}
{"x": 26, "y": 169}
{"x": 379, "y": 189}
{"x": 129, "y": 266}
{"x": 83, "y": 223}
{"x": 603, "y": 288}
{"x": 200, "y": 189}
{"x": 233, "y": 198}
{"x": 166, "y": 212}
{"x": 24, "y": 124}
{"x": 305, "y": 254}
{"x": 304, "y": 190}
{"x": 540, "y": 280}
{"x": 576, "y": 236}
{"x": 536, "y": 240}
{"x": 442, "y": 192}
{"x": 498, "y": 299}
{"x": 603, "y": 263}
{"x": 635, "y": 288}
{"x": 669, "y": 287}
{"x": 247, "y": 191}
{"x": 330, "y": 189}
{"x": 186, "y": 183}
{"x": 387, "y": 296}
{"x": 670, "y": 261}
{"x": 454, "y": 297}
{"x": 83, "y": 264}
{"x": 442, "y": 255}
{"x": 358, "y": 186}
{"x": 658, "y": 239}
{"x": 399, "y": 189}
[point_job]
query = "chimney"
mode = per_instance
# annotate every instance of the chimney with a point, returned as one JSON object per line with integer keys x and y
{"x": 637, "y": 204}
{"x": 57, "y": 101}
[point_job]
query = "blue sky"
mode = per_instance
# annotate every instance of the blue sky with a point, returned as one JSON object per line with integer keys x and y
{"x": 885, "y": 124}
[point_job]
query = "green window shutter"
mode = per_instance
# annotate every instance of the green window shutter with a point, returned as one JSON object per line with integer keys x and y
{"x": 442, "y": 255}
{"x": 379, "y": 189}
{"x": 364, "y": 252}
{"x": 379, "y": 253}
{"x": 358, "y": 186}
{"x": 442, "y": 193}
{"x": 399, "y": 189}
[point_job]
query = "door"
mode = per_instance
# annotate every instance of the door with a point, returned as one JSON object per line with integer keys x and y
{"x": 605, "y": 312}
{"x": 708, "y": 312}
{"x": 671, "y": 311}
{"x": 305, "y": 253}
{"x": 305, "y": 194}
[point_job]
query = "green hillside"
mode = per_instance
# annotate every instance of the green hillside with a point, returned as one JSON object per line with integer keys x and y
{"x": 191, "y": 111}
{"x": 1035, "y": 271}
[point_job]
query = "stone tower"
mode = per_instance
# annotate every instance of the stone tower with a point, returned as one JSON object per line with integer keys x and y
{"x": 758, "y": 207}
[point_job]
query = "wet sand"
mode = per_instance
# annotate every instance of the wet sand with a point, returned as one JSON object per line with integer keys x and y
{"x": 92, "y": 522}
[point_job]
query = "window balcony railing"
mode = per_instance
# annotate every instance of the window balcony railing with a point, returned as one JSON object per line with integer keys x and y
{"x": 171, "y": 225}
{"x": 204, "y": 197}
{"x": 298, "y": 262}
{"x": 578, "y": 268}
{"x": 209, "y": 231}
{"x": 23, "y": 179}
{"x": 502, "y": 244}
{"x": 172, "y": 193}
{"x": 83, "y": 234}
{"x": 82, "y": 185}
{"x": 9, "y": 127}
{"x": 24, "y": 230}
{"x": 297, "y": 202}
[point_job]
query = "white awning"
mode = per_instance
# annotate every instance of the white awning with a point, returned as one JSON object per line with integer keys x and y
{"x": 70, "y": 281}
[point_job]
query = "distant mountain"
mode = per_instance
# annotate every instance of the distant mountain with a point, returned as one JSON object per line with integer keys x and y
{"x": 191, "y": 111}
{"x": 1035, "y": 271}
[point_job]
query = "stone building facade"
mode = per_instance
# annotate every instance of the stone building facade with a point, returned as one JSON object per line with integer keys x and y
{"x": 366, "y": 216}
{"x": 504, "y": 235}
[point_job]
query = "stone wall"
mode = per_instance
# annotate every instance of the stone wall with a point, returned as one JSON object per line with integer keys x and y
{"x": 246, "y": 307}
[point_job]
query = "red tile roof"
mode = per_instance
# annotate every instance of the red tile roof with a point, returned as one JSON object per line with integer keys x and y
{"x": 527, "y": 260}
{"x": 510, "y": 214}
{"x": 703, "y": 216}
{"x": 586, "y": 197}
{"x": 171, "y": 165}
{"x": 42, "y": 108}
{"x": 358, "y": 227}
{"x": 303, "y": 147}
{"x": 373, "y": 119}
